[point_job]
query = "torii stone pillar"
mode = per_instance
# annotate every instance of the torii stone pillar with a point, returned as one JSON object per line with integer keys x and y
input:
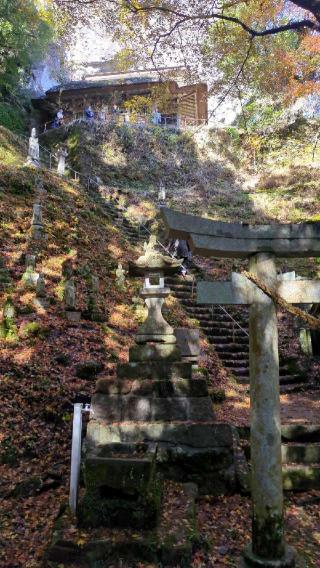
{"x": 266, "y": 463}
{"x": 261, "y": 244}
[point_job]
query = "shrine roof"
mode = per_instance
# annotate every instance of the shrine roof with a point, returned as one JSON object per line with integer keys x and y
{"x": 79, "y": 85}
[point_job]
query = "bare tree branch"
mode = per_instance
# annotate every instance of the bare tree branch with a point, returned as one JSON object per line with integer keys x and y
{"x": 296, "y": 25}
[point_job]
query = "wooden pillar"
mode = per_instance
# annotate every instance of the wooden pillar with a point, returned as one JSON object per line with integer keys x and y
{"x": 268, "y": 544}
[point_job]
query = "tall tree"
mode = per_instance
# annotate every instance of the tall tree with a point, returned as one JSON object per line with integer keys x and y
{"x": 238, "y": 46}
{"x": 26, "y": 28}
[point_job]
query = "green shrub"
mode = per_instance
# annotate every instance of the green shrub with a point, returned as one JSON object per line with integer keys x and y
{"x": 12, "y": 117}
{"x": 217, "y": 395}
{"x": 33, "y": 329}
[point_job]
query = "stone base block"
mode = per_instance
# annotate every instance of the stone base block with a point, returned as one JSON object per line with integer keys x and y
{"x": 198, "y": 435}
{"x": 159, "y": 370}
{"x": 198, "y": 453}
{"x": 142, "y": 409}
{"x": 127, "y": 474}
{"x": 250, "y": 560}
{"x": 170, "y": 544}
{"x": 74, "y": 317}
{"x": 42, "y": 303}
{"x": 38, "y": 233}
{"x": 154, "y": 352}
{"x": 165, "y": 388}
{"x": 120, "y": 491}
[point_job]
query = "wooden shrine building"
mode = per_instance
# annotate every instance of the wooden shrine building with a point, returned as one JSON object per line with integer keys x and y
{"x": 188, "y": 103}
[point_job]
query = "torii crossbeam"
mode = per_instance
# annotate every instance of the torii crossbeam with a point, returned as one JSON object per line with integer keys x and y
{"x": 260, "y": 244}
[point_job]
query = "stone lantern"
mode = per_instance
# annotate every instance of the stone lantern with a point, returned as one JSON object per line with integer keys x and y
{"x": 155, "y": 338}
{"x": 153, "y": 411}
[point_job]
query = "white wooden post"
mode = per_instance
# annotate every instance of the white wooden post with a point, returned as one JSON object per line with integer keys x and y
{"x": 75, "y": 457}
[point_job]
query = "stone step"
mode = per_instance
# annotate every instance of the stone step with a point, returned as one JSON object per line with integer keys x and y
{"x": 291, "y": 379}
{"x": 301, "y": 433}
{"x": 240, "y": 371}
{"x": 219, "y": 339}
{"x": 227, "y": 354}
{"x": 231, "y": 348}
{"x": 236, "y": 363}
{"x": 301, "y": 453}
{"x": 301, "y": 477}
{"x": 287, "y": 386}
{"x": 207, "y": 320}
{"x": 181, "y": 287}
{"x": 223, "y": 327}
{"x": 202, "y": 312}
{"x": 291, "y": 433}
{"x": 244, "y": 380}
{"x": 298, "y": 387}
{"x": 184, "y": 296}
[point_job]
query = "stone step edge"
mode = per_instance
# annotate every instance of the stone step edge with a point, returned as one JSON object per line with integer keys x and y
{"x": 152, "y": 388}
{"x": 300, "y": 477}
{"x": 290, "y": 433}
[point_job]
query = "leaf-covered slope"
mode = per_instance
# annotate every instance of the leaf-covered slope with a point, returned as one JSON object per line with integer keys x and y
{"x": 41, "y": 364}
{"x": 221, "y": 173}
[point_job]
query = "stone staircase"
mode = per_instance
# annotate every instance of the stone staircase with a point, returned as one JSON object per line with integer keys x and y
{"x": 111, "y": 206}
{"x": 228, "y": 332}
{"x": 300, "y": 455}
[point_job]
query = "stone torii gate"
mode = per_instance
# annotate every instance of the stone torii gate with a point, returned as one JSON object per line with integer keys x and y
{"x": 260, "y": 244}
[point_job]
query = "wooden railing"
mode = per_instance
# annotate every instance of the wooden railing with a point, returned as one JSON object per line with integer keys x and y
{"x": 120, "y": 118}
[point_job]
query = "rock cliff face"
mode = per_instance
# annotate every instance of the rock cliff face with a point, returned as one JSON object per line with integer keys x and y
{"x": 49, "y": 72}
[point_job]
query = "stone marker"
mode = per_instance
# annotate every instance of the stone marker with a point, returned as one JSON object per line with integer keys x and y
{"x": 260, "y": 244}
{"x": 37, "y": 230}
{"x": 162, "y": 193}
{"x": 306, "y": 341}
{"x": 93, "y": 310}
{"x": 41, "y": 300}
{"x": 120, "y": 277}
{"x": 8, "y": 328}
{"x": 62, "y": 155}
{"x": 67, "y": 269}
{"x": 5, "y": 278}
{"x": 188, "y": 342}
{"x": 69, "y": 297}
{"x": 33, "y": 150}
{"x": 30, "y": 261}
{"x": 30, "y": 278}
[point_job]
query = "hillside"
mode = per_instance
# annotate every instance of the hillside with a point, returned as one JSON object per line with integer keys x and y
{"x": 224, "y": 174}
{"x": 48, "y": 363}
{"x": 219, "y": 172}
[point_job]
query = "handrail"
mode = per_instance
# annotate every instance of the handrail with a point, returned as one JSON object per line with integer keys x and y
{"x": 235, "y": 321}
{"x": 167, "y": 121}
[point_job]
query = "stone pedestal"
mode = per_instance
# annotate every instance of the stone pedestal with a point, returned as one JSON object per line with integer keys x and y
{"x": 154, "y": 419}
{"x": 250, "y": 560}
{"x": 120, "y": 491}
{"x": 73, "y": 316}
